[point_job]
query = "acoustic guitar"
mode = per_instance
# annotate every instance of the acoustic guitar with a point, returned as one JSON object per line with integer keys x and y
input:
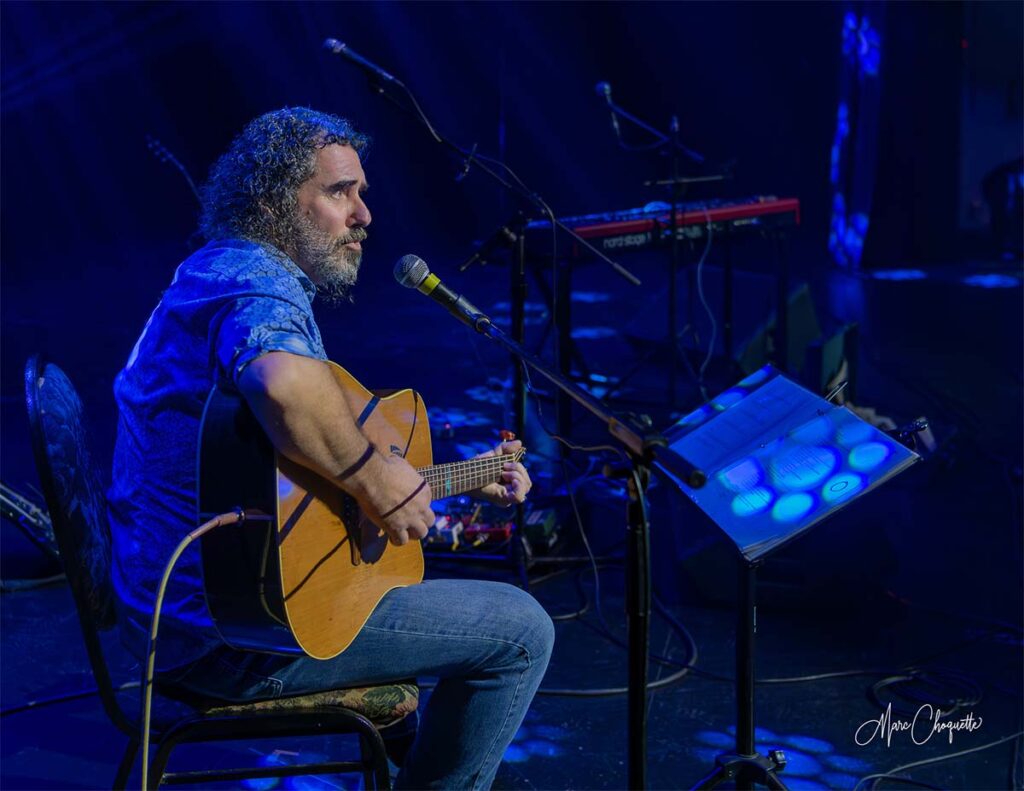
{"x": 305, "y": 570}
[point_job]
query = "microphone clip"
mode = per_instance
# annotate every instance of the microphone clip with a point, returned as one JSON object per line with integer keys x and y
{"x": 467, "y": 163}
{"x": 503, "y": 237}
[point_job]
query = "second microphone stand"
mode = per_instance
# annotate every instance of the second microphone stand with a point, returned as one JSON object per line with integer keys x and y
{"x": 512, "y": 235}
{"x": 677, "y": 183}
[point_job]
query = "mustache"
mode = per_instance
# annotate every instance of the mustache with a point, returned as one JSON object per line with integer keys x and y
{"x": 355, "y": 235}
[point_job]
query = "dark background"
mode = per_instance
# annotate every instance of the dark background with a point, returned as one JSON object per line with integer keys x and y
{"x": 93, "y": 224}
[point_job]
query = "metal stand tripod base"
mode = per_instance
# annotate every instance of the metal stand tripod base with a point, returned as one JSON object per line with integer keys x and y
{"x": 745, "y": 771}
{"x": 746, "y": 766}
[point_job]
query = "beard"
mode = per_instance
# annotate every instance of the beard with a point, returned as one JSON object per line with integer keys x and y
{"x": 333, "y": 267}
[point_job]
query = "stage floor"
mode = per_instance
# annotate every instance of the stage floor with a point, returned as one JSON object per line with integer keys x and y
{"x": 573, "y": 742}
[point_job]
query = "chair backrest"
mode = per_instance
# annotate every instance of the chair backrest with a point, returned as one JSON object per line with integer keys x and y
{"x": 72, "y": 487}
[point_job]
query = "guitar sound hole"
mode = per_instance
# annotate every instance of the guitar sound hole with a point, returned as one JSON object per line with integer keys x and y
{"x": 373, "y": 541}
{"x": 366, "y": 540}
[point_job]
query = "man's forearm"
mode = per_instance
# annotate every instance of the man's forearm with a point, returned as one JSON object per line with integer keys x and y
{"x": 304, "y": 412}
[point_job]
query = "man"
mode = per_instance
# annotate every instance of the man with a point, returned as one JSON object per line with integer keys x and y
{"x": 285, "y": 214}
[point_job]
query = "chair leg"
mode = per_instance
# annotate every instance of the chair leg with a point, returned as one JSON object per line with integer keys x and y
{"x": 125, "y": 767}
{"x": 159, "y": 763}
{"x": 366, "y": 756}
{"x": 375, "y": 761}
{"x": 380, "y": 761}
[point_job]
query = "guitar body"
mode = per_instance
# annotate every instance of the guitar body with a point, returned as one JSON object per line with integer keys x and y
{"x": 305, "y": 570}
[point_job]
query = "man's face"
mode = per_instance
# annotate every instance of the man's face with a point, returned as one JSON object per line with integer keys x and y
{"x": 330, "y": 221}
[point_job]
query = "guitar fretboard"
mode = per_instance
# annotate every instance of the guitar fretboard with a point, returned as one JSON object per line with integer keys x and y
{"x": 448, "y": 480}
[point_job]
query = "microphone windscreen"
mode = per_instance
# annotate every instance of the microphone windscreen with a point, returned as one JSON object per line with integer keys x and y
{"x": 411, "y": 270}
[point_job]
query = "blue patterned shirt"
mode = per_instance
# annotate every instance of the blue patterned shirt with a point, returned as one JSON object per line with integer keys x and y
{"x": 229, "y": 303}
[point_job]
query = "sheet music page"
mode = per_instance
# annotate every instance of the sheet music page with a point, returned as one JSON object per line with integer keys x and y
{"x": 780, "y": 459}
{"x": 738, "y": 421}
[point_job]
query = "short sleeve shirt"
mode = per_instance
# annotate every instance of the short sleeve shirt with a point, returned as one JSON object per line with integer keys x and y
{"x": 229, "y": 303}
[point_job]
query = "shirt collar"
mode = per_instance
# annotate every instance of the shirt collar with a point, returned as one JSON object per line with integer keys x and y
{"x": 291, "y": 267}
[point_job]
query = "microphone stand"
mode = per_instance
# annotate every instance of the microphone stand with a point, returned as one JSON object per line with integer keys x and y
{"x": 677, "y": 182}
{"x": 514, "y": 235}
{"x": 673, "y": 321}
{"x": 645, "y": 451}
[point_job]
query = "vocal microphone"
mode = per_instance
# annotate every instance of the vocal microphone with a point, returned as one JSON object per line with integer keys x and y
{"x": 340, "y": 48}
{"x": 412, "y": 271}
{"x": 605, "y": 89}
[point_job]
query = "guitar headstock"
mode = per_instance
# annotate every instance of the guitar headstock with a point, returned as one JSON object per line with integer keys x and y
{"x": 162, "y": 153}
{"x": 508, "y": 436}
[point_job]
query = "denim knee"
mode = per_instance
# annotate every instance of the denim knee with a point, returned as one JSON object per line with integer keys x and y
{"x": 544, "y": 632}
{"x": 536, "y": 629}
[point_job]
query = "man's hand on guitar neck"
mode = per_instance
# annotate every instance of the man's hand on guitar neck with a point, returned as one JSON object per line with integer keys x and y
{"x": 515, "y": 481}
{"x": 304, "y": 412}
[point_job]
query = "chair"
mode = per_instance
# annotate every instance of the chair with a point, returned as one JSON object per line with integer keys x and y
{"x": 72, "y": 489}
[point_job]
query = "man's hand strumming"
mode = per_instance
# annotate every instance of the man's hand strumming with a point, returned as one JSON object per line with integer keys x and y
{"x": 396, "y": 499}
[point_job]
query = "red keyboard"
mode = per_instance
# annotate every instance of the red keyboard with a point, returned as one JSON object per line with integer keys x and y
{"x": 652, "y": 224}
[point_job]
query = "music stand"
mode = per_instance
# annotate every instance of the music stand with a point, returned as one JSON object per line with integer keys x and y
{"x": 779, "y": 459}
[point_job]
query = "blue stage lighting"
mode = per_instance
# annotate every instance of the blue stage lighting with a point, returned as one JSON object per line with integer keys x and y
{"x": 791, "y": 507}
{"x": 731, "y": 396}
{"x": 869, "y": 455}
{"x": 742, "y": 475}
{"x": 842, "y": 487}
{"x": 753, "y": 502}
{"x": 757, "y": 377}
{"x": 800, "y": 468}
{"x": 813, "y": 433}
{"x": 992, "y": 281}
{"x": 852, "y": 433}
{"x": 593, "y": 333}
{"x": 808, "y": 744}
{"x": 899, "y": 274}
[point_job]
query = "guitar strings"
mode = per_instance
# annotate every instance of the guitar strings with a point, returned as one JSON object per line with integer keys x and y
{"x": 468, "y": 474}
{"x": 469, "y": 469}
{"x": 517, "y": 456}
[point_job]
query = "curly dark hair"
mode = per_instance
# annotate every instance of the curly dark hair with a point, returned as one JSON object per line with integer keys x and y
{"x": 252, "y": 187}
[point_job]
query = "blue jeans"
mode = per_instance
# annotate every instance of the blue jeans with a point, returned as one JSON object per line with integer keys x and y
{"x": 487, "y": 642}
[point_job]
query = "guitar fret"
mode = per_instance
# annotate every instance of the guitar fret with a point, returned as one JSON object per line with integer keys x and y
{"x": 453, "y": 478}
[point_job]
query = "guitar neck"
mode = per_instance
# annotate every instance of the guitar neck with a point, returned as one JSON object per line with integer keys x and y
{"x": 448, "y": 480}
